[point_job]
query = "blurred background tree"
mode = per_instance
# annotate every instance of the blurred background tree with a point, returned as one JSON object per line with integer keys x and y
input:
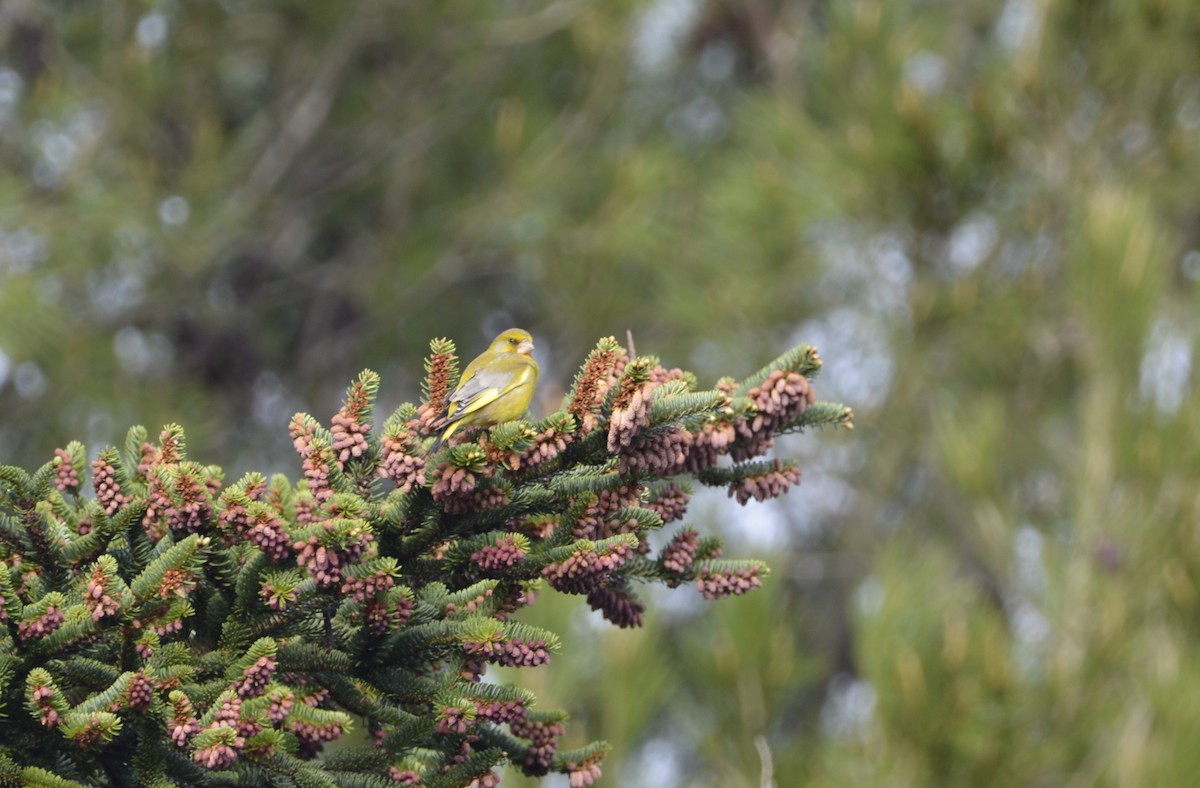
{"x": 984, "y": 214}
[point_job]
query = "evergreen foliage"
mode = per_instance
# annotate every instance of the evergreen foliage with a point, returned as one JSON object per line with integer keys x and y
{"x": 174, "y": 630}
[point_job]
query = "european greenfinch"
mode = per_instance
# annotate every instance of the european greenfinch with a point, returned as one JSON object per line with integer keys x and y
{"x": 496, "y": 387}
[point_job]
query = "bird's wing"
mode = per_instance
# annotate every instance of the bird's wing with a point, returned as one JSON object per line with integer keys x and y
{"x": 485, "y": 387}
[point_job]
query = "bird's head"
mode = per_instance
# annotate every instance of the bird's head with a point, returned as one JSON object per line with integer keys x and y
{"x": 514, "y": 340}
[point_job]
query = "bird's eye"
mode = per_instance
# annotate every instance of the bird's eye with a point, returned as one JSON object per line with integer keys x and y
{"x": 512, "y": 340}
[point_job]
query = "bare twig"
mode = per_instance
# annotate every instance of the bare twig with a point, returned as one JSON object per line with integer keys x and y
{"x": 768, "y": 764}
{"x": 530, "y": 28}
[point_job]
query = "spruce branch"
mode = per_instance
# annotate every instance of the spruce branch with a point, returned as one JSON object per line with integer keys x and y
{"x": 671, "y": 406}
{"x": 758, "y": 480}
{"x": 15, "y": 533}
{"x": 42, "y": 480}
{"x": 179, "y": 561}
{"x": 176, "y": 627}
{"x": 15, "y": 484}
{"x": 803, "y": 359}
{"x": 821, "y": 414}
{"x": 37, "y": 777}
{"x": 138, "y": 451}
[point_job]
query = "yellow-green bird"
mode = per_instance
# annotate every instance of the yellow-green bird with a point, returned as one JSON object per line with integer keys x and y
{"x": 496, "y": 387}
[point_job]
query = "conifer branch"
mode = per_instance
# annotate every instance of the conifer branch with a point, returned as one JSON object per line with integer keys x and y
{"x": 802, "y": 358}
{"x": 229, "y": 632}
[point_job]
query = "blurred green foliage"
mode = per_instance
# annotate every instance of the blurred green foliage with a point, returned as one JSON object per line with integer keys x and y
{"x": 985, "y": 214}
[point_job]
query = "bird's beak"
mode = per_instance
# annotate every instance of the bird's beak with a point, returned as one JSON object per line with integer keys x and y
{"x": 526, "y": 347}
